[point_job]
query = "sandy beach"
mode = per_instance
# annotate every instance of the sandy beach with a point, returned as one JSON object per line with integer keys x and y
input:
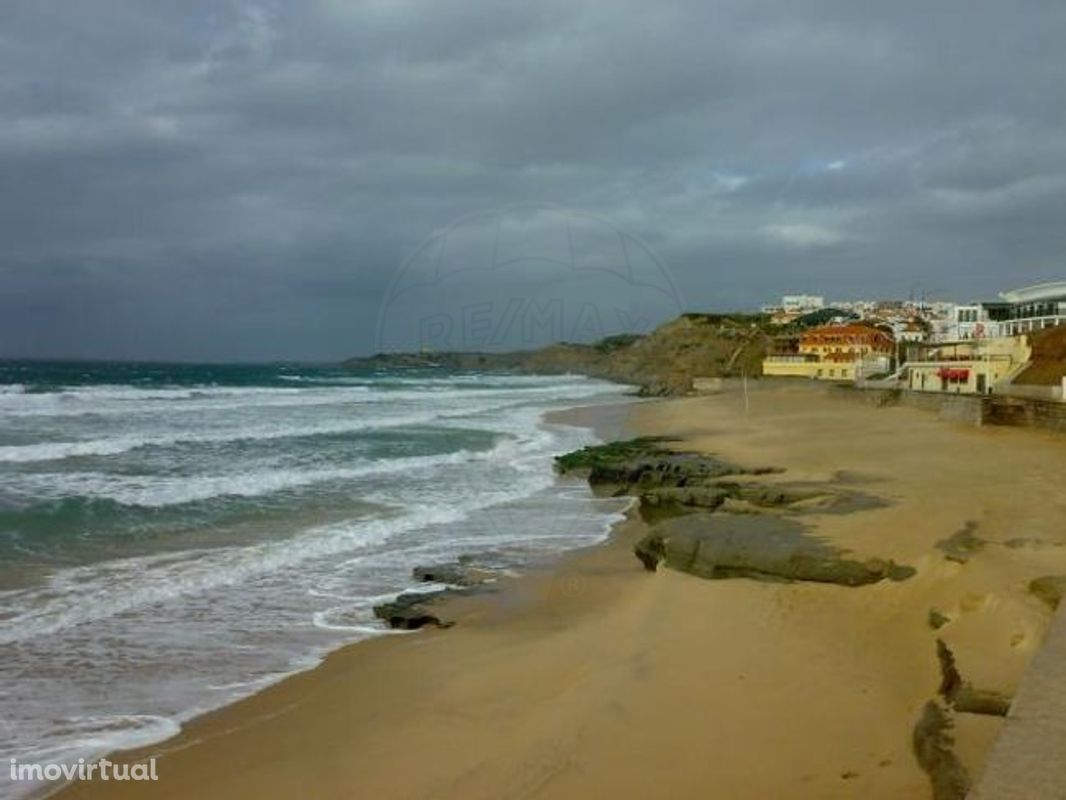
{"x": 597, "y": 678}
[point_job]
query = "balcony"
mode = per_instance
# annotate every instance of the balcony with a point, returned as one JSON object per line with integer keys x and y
{"x": 791, "y": 358}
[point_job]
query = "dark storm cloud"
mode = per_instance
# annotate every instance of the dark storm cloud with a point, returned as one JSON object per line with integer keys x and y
{"x": 244, "y": 179}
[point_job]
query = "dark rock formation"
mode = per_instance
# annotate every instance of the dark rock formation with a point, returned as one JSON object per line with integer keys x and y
{"x": 986, "y": 702}
{"x": 706, "y": 497}
{"x": 771, "y": 496}
{"x": 962, "y": 696}
{"x": 963, "y": 544}
{"x": 938, "y": 619}
{"x": 934, "y": 743}
{"x": 670, "y": 482}
{"x": 454, "y": 574}
{"x": 950, "y": 680}
{"x": 651, "y": 551}
{"x": 409, "y": 611}
{"x": 666, "y": 388}
{"x": 679, "y": 490}
{"x": 843, "y": 502}
{"x": 757, "y": 497}
{"x": 413, "y": 610}
{"x": 1050, "y": 589}
{"x": 609, "y": 455}
{"x": 638, "y": 466}
{"x": 667, "y": 469}
{"x": 758, "y": 547}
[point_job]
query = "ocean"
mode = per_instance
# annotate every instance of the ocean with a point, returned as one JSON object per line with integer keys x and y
{"x": 175, "y": 537}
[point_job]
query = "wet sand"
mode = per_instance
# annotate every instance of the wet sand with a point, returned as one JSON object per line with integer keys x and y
{"x": 596, "y": 678}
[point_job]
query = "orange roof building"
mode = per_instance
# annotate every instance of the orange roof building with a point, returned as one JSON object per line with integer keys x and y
{"x": 855, "y": 340}
{"x": 835, "y": 352}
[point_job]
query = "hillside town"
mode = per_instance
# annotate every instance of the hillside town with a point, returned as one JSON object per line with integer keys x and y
{"x": 1015, "y": 345}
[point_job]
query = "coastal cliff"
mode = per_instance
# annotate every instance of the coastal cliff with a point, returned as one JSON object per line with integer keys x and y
{"x": 663, "y": 362}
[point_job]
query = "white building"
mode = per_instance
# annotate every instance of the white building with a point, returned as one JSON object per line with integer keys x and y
{"x": 801, "y": 303}
{"x": 1021, "y": 311}
{"x": 974, "y": 321}
{"x": 909, "y": 331}
{"x": 862, "y": 308}
{"x": 1034, "y": 308}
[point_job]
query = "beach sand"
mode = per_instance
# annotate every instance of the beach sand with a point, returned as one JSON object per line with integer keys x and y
{"x": 596, "y": 678}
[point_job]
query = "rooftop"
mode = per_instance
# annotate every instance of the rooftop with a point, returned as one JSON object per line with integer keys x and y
{"x": 846, "y": 330}
{"x": 1042, "y": 291}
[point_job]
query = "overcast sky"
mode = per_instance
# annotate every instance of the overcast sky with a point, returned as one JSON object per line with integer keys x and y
{"x": 253, "y": 180}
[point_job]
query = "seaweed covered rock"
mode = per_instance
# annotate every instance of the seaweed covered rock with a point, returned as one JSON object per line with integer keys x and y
{"x": 453, "y": 574}
{"x": 409, "y": 611}
{"x": 753, "y": 498}
{"x": 665, "y": 388}
{"x": 709, "y": 497}
{"x": 610, "y": 455}
{"x": 637, "y": 465}
{"x": 773, "y": 496}
{"x": 671, "y": 469}
{"x": 766, "y": 548}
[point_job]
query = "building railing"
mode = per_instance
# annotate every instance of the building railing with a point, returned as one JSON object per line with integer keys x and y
{"x": 1023, "y": 325}
{"x": 973, "y": 359}
{"x": 791, "y": 358}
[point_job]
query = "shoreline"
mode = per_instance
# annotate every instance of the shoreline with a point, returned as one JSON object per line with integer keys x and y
{"x": 593, "y": 676}
{"x": 606, "y": 420}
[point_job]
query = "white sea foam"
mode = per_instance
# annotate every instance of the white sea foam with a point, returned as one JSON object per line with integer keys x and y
{"x": 85, "y": 594}
{"x": 444, "y": 407}
{"x": 103, "y": 400}
{"x": 54, "y": 451}
{"x": 323, "y": 620}
{"x": 160, "y": 491}
{"x": 101, "y": 734}
{"x": 158, "y": 629}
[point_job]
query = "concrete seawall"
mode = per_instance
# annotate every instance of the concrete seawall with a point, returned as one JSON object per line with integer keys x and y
{"x": 967, "y": 408}
{"x": 1028, "y": 761}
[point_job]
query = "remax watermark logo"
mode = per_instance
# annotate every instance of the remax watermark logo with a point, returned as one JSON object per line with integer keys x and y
{"x": 522, "y": 277}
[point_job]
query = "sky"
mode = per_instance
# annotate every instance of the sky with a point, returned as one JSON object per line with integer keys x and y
{"x": 269, "y": 180}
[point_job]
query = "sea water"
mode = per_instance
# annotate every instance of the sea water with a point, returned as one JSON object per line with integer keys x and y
{"x": 174, "y": 537}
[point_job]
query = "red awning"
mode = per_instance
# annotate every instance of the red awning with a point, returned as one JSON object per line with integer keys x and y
{"x": 954, "y": 375}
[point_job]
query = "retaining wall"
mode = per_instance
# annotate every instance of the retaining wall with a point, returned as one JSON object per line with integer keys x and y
{"x": 968, "y": 409}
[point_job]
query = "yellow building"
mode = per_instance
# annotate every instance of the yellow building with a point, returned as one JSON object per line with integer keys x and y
{"x": 834, "y": 353}
{"x": 975, "y": 366}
